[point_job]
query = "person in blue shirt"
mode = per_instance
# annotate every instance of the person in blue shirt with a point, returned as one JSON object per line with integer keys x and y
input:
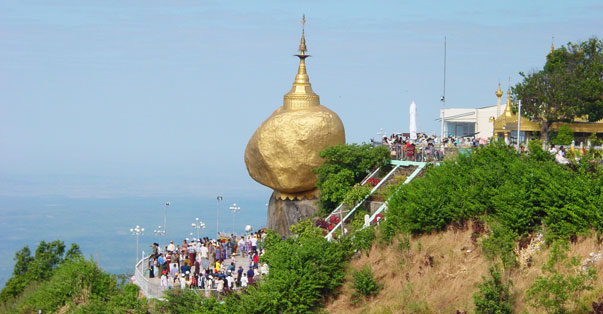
{"x": 250, "y": 275}
{"x": 161, "y": 262}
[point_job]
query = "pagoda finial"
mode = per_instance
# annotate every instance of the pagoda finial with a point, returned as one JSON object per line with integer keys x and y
{"x": 552, "y": 44}
{"x": 301, "y": 94}
{"x": 499, "y": 92}
{"x": 508, "y": 108}
{"x": 302, "y": 43}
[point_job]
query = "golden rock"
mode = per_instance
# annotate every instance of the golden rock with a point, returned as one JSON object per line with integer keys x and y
{"x": 284, "y": 149}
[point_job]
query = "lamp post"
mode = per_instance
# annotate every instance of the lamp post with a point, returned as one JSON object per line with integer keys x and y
{"x": 198, "y": 224}
{"x": 219, "y": 198}
{"x": 159, "y": 232}
{"x": 234, "y": 208}
{"x": 137, "y": 231}
{"x": 165, "y": 218}
{"x": 518, "y": 125}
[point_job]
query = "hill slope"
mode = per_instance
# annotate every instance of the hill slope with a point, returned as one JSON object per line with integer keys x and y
{"x": 439, "y": 273}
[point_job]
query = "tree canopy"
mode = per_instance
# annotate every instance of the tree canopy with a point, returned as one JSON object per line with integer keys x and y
{"x": 570, "y": 85}
{"x": 343, "y": 166}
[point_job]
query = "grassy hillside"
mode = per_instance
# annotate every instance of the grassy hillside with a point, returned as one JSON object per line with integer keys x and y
{"x": 440, "y": 272}
{"x": 476, "y": 233}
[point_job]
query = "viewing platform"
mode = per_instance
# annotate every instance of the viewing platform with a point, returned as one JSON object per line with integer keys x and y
{"x": 151, "y": 287}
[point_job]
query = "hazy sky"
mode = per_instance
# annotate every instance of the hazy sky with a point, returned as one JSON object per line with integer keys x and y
{"x": 119, "y": 98}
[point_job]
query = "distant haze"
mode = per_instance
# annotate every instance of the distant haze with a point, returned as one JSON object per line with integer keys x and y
{"x": 113, "y": 98}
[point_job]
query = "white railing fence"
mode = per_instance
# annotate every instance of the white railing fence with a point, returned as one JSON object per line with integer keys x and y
{"x": 150, "y": 289}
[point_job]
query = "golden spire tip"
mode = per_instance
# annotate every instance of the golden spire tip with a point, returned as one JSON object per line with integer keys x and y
{"x": 499, "y": 92}
{"x": 302, "y": 43}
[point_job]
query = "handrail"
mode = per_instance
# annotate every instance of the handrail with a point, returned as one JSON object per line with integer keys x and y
{"x": 397, "y": 164}
{"x": 384, "y": 205}
{"x": 151, "y": 290}
{"x": 363, "y": 182}
{"x": 369, "y": 176}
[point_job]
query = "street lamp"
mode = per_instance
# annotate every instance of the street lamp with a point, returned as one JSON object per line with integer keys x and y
{"x": 165, "y": 218}
{"x": 234, "y": 208}
{"x": 137, "y": 231}
{"x": 159, "y": 232}
{"x": 218, "y": 217}
{"x": 198, "y": 225}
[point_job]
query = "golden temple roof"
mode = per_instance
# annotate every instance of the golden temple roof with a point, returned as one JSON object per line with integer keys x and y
{"x": 507, "y": 121}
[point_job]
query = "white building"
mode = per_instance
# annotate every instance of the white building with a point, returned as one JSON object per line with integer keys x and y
{"x": 478, "y": 122}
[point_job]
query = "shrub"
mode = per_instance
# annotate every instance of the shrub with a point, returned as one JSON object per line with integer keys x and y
{"x": 564, "y": 136}
{"x": 493, "y": 296}
{"x": 356, "y": 194}
{"x": 35, "y": 269}
{"x": 520, "y": 192}
{"x": 343, "y": 166}
{"x": 501, "y": 244}
{"x": 594, "y": 140}
{"x": 363, "y": 239}
{"x": 303, "y": 270}
{"x": 187, "y": 301}
{"x": 563, "y": 284}
{"x": 364, "y": 284}
{"x": 536, "y": 151}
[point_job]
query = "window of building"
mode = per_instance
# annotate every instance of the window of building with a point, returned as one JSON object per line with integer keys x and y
{"x": 460, "y": 129}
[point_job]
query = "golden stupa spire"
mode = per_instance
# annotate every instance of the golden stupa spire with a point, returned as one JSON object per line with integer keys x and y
{"x": 552, "y": 44}
{"x": 302, "y": 42}
{"x": 301, "y": 94}
{"x": 508, "y": 108}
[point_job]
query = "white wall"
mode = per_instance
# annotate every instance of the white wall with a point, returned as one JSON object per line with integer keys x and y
{"x": 479, "y": 116}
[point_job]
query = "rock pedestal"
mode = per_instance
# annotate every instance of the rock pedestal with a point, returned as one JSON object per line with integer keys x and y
{"x": 284, "y": 213}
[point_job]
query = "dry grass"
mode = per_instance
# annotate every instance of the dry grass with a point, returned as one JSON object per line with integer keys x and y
{"x": 439, "y": 273}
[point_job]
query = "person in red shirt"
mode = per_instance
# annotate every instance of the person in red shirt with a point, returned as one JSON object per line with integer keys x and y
{"x": 256, "y": 260}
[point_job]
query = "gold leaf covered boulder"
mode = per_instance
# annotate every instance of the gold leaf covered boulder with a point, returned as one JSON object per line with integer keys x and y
{"x": 284, "y": 149}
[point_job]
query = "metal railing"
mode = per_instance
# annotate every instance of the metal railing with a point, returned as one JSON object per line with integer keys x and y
{"x": 150, "y": 289}
{"x": 397, "y": 164}
{"x": 420, "y": 166}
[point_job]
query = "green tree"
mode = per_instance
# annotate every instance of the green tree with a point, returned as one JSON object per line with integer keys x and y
{"x": 493, "y": 297}
{"x": 47, "y": 257}
{"x": 343, "y": 166}
{"x": 564, "y": 136}
{"x": 568, "y": 86}
{"x": 22, "y": 260}
{"x": 563, "y": 284}
{"x": 364, "y": 284}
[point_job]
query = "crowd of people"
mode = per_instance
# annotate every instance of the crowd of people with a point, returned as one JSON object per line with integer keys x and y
{"x": 210, "y": 265}
{"x": 424, "y": 147}
{"x": 559, "y": 154}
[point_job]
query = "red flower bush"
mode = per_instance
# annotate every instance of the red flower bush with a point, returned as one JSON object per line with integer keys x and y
{"x": 334, "y": 219}
{"x": 321, "y": 223}
{"x": 373, "y": 181}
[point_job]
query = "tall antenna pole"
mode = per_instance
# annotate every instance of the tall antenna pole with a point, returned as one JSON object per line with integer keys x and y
{"x": 443, "y": 99}
{"x": 518, "y": 124}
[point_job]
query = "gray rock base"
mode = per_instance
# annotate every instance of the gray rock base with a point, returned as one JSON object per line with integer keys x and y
{"x": 284, "y": 213}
